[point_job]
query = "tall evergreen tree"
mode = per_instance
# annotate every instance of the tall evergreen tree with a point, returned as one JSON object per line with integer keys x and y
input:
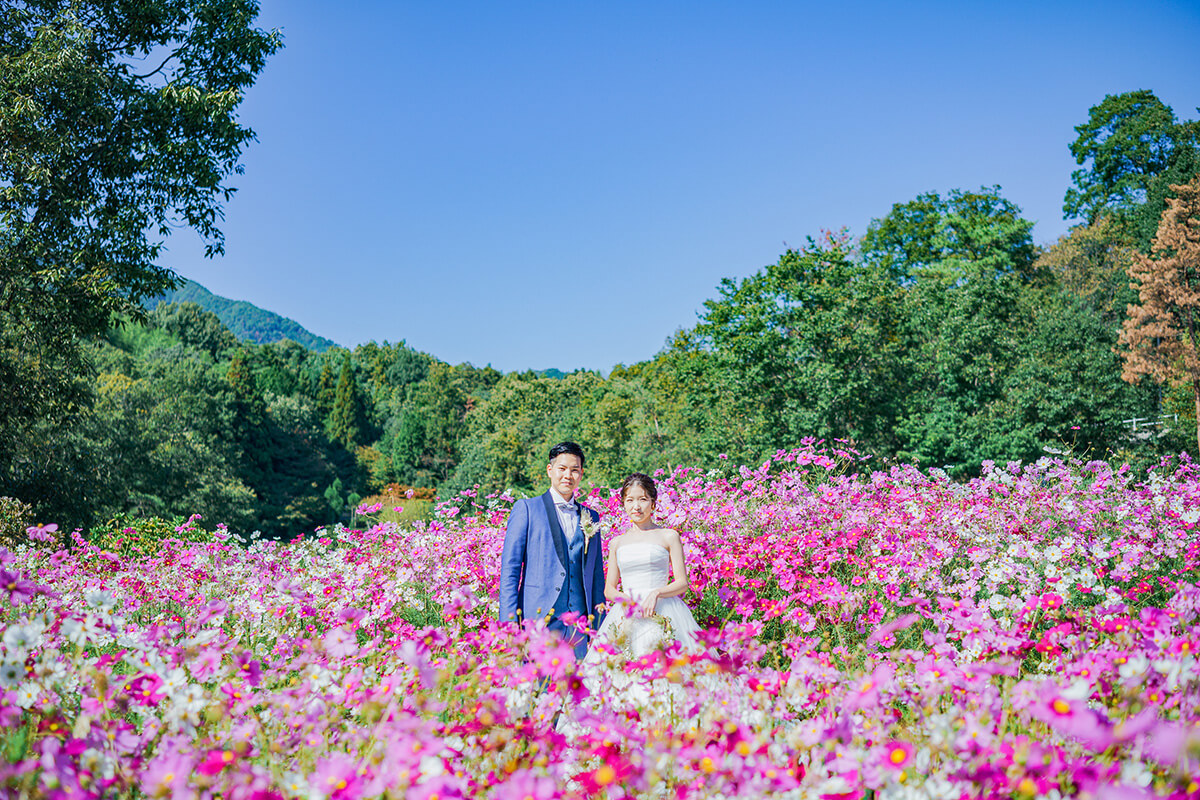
{"x": 347, "y": 422}
{"x": 326, "y": 387}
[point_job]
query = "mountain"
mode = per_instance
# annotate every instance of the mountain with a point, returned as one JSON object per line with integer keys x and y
{"x": 247, "y": 321}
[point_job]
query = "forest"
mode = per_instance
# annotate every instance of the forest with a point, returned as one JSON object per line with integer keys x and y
{"x": 941, "y": 336}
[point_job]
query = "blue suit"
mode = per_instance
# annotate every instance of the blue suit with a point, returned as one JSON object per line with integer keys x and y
{"x": 543, "y": 575}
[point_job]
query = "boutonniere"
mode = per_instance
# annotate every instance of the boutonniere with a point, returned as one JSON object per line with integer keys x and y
{"x": 590, "y": 527}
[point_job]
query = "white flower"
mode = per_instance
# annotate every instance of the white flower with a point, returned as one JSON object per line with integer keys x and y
{"x": 11, "y": 673}
{"x": 75, "y": 631}
{"x": 202, "y": 637}
{"x": 1133, "y": 669}
{"x": 1177, "y": 673}
{"x": 174, "y": 680}
{"x": 431, "y": 766}
{"x": 27, "y": 694}
{"x": 296, "y": 784}
{"x": 940, "y": 788}
{"x": 1135, "y": 772}
{"x": 1053, "y": 553}
{"x": 100, "y": 600}
{"x": 23, "y": 638}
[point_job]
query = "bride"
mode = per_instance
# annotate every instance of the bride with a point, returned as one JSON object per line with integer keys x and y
{"x": 646, "y": 569}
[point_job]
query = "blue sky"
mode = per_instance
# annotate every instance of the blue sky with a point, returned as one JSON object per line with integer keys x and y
{"x": 563, "y": 184}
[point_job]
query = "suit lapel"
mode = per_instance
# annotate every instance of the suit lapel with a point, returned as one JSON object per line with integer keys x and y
{"x": 556, "y": 531}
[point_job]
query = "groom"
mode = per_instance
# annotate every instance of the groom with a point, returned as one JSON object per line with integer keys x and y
{"x": 550, "y": 567}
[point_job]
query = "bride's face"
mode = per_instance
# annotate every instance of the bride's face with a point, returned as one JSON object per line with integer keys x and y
{"x": 638, "y": 504}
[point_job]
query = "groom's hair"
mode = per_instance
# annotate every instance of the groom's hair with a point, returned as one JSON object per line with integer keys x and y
{"x": 569, "y": 448}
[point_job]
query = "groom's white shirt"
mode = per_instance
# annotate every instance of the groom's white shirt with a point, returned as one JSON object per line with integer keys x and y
{"x": 566, "y": 520}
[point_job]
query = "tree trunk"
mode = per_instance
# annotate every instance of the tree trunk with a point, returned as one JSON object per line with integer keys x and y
{"x": 1196, "y": 396}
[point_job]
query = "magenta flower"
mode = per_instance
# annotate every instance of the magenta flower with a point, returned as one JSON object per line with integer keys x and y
{"x": 897, "y": 754}
{"x": 248, "y": 668}
{"x": 16, "y": 589}
{"x": 214, "y": 610}
{"x": 216, "y": 761}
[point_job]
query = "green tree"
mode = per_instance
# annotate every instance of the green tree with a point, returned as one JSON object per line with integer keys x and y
{"x": 240, "y": 377}
{"x": 1066, "y": 386}
{"x": 347, "y": 422}
{"x": 506, "y": 437}
{"x": 195, "y": 327}
{"x": 408, "y": 448}
{"x": 809, "y": 348}
{"x": 326, "y": 386}
{"x": 1131, "y": 149}
{"x": 964, "y": 261}
{"x": 116, "y": 119}
{"x": 335, "y": 500}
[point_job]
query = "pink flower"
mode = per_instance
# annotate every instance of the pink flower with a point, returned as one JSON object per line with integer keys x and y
{"x": 168, "y": 775}
{"x": 17, "y": 590}
{"x": 527, "y": 784}
{"x": 216, "y": 761}
{"x": 897, "y": 754}
{"x": 337, "y": 776}
{"x": 42, "y": 533}
{"x": 340, "y": 642}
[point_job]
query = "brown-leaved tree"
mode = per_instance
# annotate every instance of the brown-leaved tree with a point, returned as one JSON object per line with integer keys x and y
{"x": 1160, "y": 337}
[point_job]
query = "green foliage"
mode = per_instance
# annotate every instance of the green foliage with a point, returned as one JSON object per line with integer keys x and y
{"x": 193, "y": 326}
{"x": 347, "y": 420}
{"x": 118, "y": 120}
{"x": 806, "y": 347}
{"x": 335, "y": 499}
{"x": 15, "y": 518}
{"x": 1134, "y": 149}
{"x": 131, "y": 536}
{"x": 961, "y": 236}
{"x": 245, "y": 321}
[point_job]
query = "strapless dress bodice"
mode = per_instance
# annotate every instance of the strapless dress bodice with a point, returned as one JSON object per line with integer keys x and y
{"x": 644, "y": 566}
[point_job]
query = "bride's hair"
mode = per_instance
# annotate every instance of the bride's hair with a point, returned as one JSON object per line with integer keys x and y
{"x": 644, "y": 481}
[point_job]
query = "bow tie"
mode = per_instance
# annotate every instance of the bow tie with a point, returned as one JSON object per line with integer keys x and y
{"x": 566, "y": 506}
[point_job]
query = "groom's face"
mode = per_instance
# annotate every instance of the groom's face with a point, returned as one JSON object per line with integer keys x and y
{"x": 565, "y": 472}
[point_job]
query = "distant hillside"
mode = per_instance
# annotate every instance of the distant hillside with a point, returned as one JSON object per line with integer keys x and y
{"x": 247, "y": 321}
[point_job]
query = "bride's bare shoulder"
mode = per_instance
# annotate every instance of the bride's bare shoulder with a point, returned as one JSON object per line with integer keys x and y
{"x": 670, "y": 535}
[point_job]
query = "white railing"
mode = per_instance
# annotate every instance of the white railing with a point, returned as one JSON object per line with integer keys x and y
{"x": 1150, "y": 422}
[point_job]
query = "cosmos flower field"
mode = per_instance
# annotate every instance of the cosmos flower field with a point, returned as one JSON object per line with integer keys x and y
{"x": 888, "y": 633}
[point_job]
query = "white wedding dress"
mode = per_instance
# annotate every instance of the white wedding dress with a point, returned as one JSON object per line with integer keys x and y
{"x": 646, "y": 566}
